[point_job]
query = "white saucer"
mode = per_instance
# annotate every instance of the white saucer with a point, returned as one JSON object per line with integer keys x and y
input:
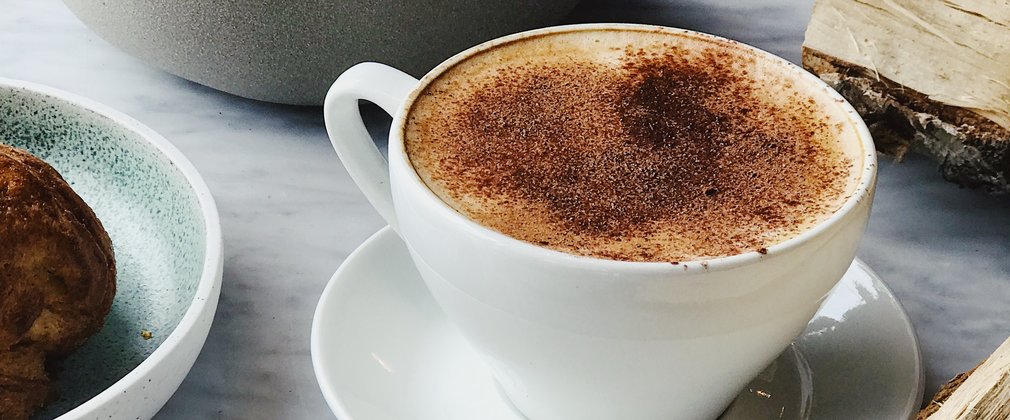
{"x": 382, "y": 350}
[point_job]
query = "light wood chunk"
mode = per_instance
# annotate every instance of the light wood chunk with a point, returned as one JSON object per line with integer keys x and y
{"x": 984, "y": 394}
{"x": 929, "y": 76}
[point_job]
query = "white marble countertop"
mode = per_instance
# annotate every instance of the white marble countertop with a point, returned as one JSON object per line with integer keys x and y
{"x": 291, "y": 214}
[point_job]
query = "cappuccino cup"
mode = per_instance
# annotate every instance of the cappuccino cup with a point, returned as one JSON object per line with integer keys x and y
{"x": 624, "y": 221}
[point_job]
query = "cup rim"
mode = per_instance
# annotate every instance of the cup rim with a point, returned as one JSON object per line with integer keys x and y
{"x": 862, "y": 191}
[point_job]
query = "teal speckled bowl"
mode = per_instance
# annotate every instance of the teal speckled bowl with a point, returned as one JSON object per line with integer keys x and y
{"x": 167, "y": 239}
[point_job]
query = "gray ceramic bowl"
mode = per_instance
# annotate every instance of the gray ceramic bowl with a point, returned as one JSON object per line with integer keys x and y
{"x": 167, "y": 239}
{"x": 289, "y": 51}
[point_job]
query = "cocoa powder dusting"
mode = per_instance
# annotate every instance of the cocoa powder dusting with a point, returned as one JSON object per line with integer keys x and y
{"x": 660, "y": 158}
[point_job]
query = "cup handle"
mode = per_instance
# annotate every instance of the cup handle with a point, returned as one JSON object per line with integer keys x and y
{"x": 386, "y": 87}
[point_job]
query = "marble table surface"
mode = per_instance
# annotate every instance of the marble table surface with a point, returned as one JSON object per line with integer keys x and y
{"x": 291, "y": 214}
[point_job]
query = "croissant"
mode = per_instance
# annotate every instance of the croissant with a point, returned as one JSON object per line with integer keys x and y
{"x": 57, "y": 277}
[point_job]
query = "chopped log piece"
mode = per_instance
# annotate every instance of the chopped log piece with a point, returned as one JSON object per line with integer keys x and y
{"x": 928, "y": 76}
{"x": 982, "y": 393}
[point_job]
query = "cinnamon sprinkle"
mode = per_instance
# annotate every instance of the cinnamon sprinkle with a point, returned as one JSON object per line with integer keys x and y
{"x": 672, "y": 155}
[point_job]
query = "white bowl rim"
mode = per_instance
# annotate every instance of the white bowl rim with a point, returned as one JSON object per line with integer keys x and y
{"x": 209, "y": 286}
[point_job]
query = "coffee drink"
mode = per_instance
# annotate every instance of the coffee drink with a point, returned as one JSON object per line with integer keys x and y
{"x": 633, "y": 145}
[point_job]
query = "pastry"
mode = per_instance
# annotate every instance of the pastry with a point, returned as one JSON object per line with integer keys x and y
{"x": 57, "y": 277}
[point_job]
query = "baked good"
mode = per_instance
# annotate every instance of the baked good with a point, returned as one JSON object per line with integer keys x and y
{"x": 57, "y": 277}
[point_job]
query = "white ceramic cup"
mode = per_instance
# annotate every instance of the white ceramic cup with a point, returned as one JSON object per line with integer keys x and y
{"x": 571, "y": 337}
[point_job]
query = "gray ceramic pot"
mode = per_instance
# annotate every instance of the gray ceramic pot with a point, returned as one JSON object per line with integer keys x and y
{"x": 289, "y": 51}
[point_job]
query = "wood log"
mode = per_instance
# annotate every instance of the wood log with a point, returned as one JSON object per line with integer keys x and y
{"x": 982, "y": 393}
{"x": 928, "y": 76}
